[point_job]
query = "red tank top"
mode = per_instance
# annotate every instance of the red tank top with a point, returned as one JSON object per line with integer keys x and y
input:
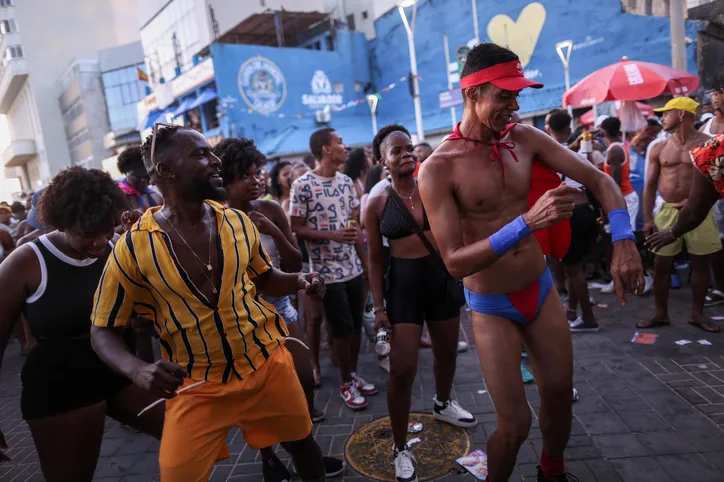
{"x": 626, "y": 187}
{"x": 554, "y": 241}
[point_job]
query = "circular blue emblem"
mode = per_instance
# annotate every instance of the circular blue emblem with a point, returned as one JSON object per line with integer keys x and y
{"x": 262, "y": 85}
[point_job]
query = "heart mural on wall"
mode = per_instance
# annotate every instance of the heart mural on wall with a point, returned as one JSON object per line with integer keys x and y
{"x": 520, "y": 36}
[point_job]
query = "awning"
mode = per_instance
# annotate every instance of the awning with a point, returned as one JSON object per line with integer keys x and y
{"x": 157, "y": 116}
{"x": 151, "y": 119}
{"x": 185, "y": 105}
{"x": 206, "y": 96}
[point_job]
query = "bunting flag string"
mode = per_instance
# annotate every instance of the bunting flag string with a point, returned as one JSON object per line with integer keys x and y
{"x": 333, "y": 108}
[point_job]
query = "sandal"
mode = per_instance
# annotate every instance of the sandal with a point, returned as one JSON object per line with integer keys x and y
{"x": 652, "y": 323}
{"x": 706, "y": 325}
{"x": 714, "y": 298}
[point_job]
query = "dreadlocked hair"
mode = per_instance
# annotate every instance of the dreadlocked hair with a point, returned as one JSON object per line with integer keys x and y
{"x": 382, "y": 135}
{"x": 237, "y": 155}
{"x": 87, "y": 200}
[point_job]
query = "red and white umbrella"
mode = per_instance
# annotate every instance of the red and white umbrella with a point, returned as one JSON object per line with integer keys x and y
{"x": 588, "y": 119}
{"x": 630, "y": 80}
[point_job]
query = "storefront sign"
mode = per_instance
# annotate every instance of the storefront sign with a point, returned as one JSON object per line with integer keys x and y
{"x": 321, "y": 95}
{"x": 450, "y": 98}
{"x": 189, "y": 80}
{"x": 262, "y": 85}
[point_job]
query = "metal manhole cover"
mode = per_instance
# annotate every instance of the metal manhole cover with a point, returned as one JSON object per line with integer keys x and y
{"x": 369, "y": 449}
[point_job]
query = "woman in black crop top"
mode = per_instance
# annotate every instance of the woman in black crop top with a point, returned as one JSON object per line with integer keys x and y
{"x": 416, "y": 293}
{"x": 67, "y": 391}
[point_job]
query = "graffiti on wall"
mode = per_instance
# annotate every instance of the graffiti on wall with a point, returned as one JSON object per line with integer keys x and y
{"x": 521, "y": 35}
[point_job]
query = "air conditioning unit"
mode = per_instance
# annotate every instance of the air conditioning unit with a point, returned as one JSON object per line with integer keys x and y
{"x": 323, "y": 116}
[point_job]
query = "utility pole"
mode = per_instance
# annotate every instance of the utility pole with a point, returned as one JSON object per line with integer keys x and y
{"x": 677, "y": 14}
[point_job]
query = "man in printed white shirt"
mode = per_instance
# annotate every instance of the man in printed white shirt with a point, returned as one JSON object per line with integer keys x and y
{"x": 324, "y": 210}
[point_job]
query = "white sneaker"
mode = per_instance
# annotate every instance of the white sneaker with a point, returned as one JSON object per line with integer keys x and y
{"x": 462, "y": 346}
{"x": 404, "y": 463}
{"x": 352, "y": 397}
{"x": 608, "y": 289}
{"x": 362, "y": 385}
{"x": 451, "y": 412}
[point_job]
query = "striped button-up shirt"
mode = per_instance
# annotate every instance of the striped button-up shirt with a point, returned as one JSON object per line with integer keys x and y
{"x": 213, "y": 342}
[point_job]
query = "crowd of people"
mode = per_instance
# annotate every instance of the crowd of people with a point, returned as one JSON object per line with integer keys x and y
{"x": 205, "y": 278}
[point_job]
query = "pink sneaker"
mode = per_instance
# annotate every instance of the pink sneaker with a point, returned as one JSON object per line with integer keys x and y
{"x": 362, "y": 385}
{"x": 351, "y": 396}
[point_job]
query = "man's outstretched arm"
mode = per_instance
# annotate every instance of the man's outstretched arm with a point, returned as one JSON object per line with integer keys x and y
{"x": 702, "y": 198}
{"x": 626, "y": 267}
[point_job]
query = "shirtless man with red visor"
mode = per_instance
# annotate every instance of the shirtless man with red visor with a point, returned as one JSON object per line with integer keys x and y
{"x": 476, "y": 188}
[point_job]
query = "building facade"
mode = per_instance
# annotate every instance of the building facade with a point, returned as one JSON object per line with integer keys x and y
{"x": 275, "y": 79}
{"x": 601, "y": 32}
{"x": 82, "y": 106}
{"x": 37, "y": 50}
{"x": 122, "y": 70}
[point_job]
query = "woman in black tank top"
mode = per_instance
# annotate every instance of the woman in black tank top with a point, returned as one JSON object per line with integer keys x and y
{"x": 416, "y": 293}
{"x": 67, "y": 391}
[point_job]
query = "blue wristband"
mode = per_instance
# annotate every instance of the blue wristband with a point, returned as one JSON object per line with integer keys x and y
{"x": 509, "y": 235}
{"x": 620, "y": 225}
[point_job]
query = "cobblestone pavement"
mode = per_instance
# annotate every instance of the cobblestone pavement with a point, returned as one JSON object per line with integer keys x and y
{"x": 646, "y": 413}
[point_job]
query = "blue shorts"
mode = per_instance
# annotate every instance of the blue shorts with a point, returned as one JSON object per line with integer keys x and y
{"x": 521, "y": 306}
{"x": 283, "y": 305}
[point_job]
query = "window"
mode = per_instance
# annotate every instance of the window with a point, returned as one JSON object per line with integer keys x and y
{"x": 365, "y": 15}
{"x": 178, "y": 16}
{"x": 123, "y": 91}
{"x": 330, "y": 43}
{"x": 8, "y": 26}
{"x": 6, "y": 3}
{"x": 14, "y": 52}
{"x": 350, "y": 21}
{"x": 211, "y": 113}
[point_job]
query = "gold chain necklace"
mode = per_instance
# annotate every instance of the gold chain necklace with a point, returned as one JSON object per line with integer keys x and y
{"x": 208, "y": 265}
{"x": 409, "y": 198}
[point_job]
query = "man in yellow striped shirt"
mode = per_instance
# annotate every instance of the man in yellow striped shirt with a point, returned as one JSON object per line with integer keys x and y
{"x": 196, "y": 269}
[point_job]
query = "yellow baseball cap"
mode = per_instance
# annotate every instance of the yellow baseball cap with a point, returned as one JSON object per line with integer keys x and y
{"x": 680, "y": 103}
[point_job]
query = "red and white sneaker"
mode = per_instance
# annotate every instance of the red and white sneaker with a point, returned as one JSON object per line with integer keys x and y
{"x": 362, "y": 385}
{"x": 351, "y": 396}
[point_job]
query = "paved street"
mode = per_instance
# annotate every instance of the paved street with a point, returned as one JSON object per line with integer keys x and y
{"x": 646, "y": 413}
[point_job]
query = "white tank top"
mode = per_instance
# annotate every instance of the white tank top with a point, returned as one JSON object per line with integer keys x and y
{"x": 271, "y": 249}
{"x": 707, "y": 127}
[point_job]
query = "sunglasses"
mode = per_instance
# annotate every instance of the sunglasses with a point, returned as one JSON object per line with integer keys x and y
{"x": 153, "y": 138}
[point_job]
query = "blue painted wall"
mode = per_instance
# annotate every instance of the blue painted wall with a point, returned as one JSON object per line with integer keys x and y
{"x": 287, "y": 129}
{"x": 601, "y": 32}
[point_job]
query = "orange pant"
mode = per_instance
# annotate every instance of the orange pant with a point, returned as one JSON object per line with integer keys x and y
{"x": 269, "y": 406}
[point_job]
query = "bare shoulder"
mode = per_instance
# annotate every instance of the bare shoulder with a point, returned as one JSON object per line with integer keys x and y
{"x": 439, "y": 162}
{"x": 271, "y": 209}
{"x": 528, "y": 132}
{"x": 20, "y": 262}
{"x": 657, "y": 148}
